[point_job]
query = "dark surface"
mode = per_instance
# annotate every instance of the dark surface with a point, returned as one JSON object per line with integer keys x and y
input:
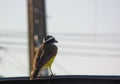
{"x": 71, "y": 79}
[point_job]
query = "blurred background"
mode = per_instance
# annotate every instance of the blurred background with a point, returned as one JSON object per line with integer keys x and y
{"x": 88, "y": 32}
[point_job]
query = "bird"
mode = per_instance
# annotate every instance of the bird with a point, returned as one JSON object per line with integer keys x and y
{"x": 44, "y": 56}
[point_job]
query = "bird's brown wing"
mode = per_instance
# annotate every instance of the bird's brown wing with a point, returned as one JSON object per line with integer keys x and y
{"x": 36, "y": 59}
{"x": 50, "y": 51}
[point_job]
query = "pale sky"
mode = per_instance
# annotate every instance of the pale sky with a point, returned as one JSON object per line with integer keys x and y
{"x": 83, "y": 16}
{"x": 13, "y": 16}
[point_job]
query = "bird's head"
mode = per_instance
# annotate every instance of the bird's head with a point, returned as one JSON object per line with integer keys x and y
{"x": 49, "y": 40}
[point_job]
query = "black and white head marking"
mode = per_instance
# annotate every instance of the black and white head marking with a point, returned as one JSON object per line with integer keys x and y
{"x": 49, "y": 40}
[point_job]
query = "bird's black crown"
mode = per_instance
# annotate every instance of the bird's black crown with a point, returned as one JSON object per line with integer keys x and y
{"x": 50, "y": 39}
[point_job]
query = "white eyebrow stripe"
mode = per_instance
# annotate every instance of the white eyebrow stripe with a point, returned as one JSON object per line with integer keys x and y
{"x": 49, "y": 39}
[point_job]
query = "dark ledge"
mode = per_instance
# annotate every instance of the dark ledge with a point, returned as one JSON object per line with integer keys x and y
{"x": 65, "y": 79}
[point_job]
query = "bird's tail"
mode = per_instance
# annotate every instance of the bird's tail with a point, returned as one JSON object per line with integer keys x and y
{"x": 34, "y": 74}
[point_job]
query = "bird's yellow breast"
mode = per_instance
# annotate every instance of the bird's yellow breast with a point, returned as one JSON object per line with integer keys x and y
{"x": 49, "y": 63}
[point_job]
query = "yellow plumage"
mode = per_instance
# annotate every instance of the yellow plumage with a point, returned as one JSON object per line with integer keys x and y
{"x": 49, "y": 63}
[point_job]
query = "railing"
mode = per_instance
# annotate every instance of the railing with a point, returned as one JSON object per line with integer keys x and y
{"x": 70, "y": 79}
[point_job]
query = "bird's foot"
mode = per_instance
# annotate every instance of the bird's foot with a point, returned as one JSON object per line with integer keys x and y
{"x": 52, "y": 75}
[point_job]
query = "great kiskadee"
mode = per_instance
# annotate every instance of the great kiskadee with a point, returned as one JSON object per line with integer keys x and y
{"x": 44, "y": 56}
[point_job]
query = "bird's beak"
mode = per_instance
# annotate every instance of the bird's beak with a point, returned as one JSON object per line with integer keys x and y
{"x": 56, "y": 41}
